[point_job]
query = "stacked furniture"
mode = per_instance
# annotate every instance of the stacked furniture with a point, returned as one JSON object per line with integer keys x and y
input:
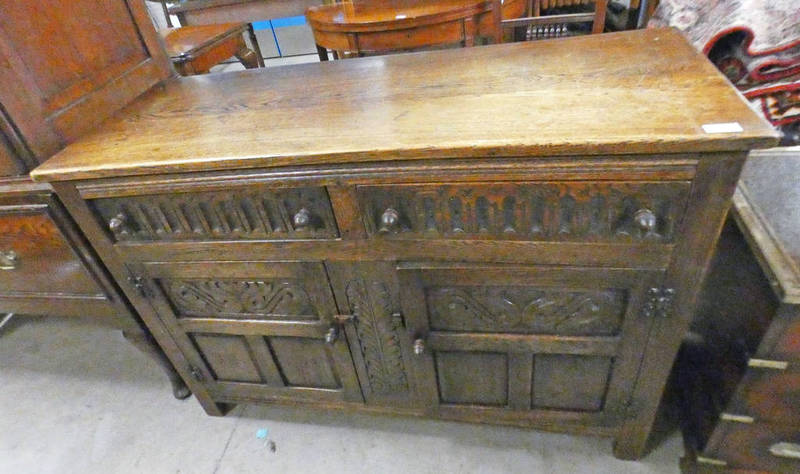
{"x": 51, "y": 94}
{"x": 429, "y": 234}
{"x": 738, "y": 378}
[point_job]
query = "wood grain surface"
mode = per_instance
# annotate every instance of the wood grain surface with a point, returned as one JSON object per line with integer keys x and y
{"x": 623, "y": 93}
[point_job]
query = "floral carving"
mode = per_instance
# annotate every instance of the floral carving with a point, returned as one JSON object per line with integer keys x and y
{"x": 377, "y": 335}
{"x": 239, "y": 298}
{"x": 526, "y": 310}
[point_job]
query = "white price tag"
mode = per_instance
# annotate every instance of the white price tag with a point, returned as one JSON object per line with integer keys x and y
{"x": 727, "y": 127}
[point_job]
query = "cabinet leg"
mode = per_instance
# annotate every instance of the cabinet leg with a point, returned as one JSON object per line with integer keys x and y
{"x": 145, "y": 343}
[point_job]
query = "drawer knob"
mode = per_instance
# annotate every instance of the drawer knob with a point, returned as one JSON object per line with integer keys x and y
{"x": 419, "y": 346}
{"x": 785, "y": 450}
{"x": 118, "y": 224}
{"x": 9, "y": 260}
{"x": 645, "y": 220}
{"x": 390, "y": 220}
{"x": 332, "y": 335}
{"x": 302, "y": 219}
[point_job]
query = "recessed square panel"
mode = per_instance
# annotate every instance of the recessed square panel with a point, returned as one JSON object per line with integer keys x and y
{"x": 304, "y": 362}
{"x": 228, "y": 357}
{"x": 478, "y": 378}
{"x": 570, "y": 382}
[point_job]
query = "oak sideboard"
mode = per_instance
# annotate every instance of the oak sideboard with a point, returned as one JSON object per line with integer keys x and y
{"x": 509, "y": 234}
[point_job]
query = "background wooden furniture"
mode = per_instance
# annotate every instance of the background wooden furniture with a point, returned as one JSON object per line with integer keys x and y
{"x": 209, "y": 40}
{"x": 738, "y": 378}
{"x": 378, "y": 27}
{"x": 204, "y": 12}
{"x": 397, "y": 241}
{"x": 52, "y": 93}
{"x": 196, "y": 49}
{"x": 536, "y": 26}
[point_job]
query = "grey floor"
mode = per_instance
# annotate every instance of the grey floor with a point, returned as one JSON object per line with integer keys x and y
{"x": 79, "y": 399}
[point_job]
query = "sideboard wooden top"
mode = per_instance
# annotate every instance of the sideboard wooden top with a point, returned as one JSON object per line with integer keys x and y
{"x": 645, "y": 91}
{"x": 766, "y": 207}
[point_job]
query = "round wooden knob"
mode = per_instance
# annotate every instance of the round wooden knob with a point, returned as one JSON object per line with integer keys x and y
{"x": 390, "y": 220}
{"x": 302, "y": 219}
{"x": 645, "y": 220}
{"x": 332, "y": 335}
{"x": 9, "y": 260}
{"x": 118, "y": 223}
{"x": 419, "y": 347}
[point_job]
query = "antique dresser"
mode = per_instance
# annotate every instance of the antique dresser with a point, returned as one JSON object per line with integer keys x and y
{"x": 50, "y": 94}
{"x": 738, "y": 376}
{"x": 507, "y": 234}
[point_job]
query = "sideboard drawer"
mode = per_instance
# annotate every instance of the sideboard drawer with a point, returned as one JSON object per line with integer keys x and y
{"x": 757, "y": 446}
{"x": 251, "y": 213}
{"x": 568, "y": 211}
{"x": 36, "y": 259}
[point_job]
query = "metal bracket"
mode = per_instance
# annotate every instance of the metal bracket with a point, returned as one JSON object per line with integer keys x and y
{"x": 140, "y": 286}
{"x": 196, "y": 373}
{"x": 660, "y": 302}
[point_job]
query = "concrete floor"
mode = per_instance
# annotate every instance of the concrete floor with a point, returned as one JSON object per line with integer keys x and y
{"x": 79, "y": 399}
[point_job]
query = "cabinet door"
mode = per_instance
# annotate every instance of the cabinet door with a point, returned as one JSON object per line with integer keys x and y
{"x": 68, "y": 65}
{"x": 541, "y": 344}
{"x": 254, "y": 330}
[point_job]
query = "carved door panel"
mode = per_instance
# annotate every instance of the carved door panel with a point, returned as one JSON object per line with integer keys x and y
{"x": 554, "y": 342}
{"x": 254, "y": 330}
{"x": 376, "y": 332}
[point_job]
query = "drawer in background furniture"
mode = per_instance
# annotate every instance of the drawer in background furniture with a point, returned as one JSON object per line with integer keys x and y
{"x": 569, "y": 211}
{"x": 36, "y": 259}
{"x": 756, "y": 446}
{"x": 766, "y": 394}
{"x": 252, "y": 213}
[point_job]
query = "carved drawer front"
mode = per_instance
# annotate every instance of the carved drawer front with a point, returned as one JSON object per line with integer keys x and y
{"x": 557, "y": 342}
{"x": 252, "y": 213}
{"x": 754, "y": 446}
{"x": 536, "y": 211}
{"x": 36, "y": 259}
{"x": 255, "y": 330}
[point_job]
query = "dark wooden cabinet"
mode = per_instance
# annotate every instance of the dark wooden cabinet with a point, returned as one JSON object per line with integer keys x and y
{"x": 394, "y": 241}
{"x": 63, "y": 72}
{"x": 738, "y": 377}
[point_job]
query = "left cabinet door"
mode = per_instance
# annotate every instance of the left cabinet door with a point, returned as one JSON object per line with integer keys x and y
{"x": 254, "y": 330}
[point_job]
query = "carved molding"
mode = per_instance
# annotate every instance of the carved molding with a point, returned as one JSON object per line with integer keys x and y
{"x": 526, "y": 310}
{"x": 378, "y": 338}
{"x": 252, "y": 299}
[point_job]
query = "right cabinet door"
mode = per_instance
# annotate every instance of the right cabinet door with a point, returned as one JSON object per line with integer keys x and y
{"x": 528, "y": 345}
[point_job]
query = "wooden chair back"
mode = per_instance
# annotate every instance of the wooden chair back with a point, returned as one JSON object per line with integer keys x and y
{"x": 537, "y": 26}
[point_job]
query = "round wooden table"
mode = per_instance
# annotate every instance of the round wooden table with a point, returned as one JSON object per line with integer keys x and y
{"x": 374, "y": 27}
